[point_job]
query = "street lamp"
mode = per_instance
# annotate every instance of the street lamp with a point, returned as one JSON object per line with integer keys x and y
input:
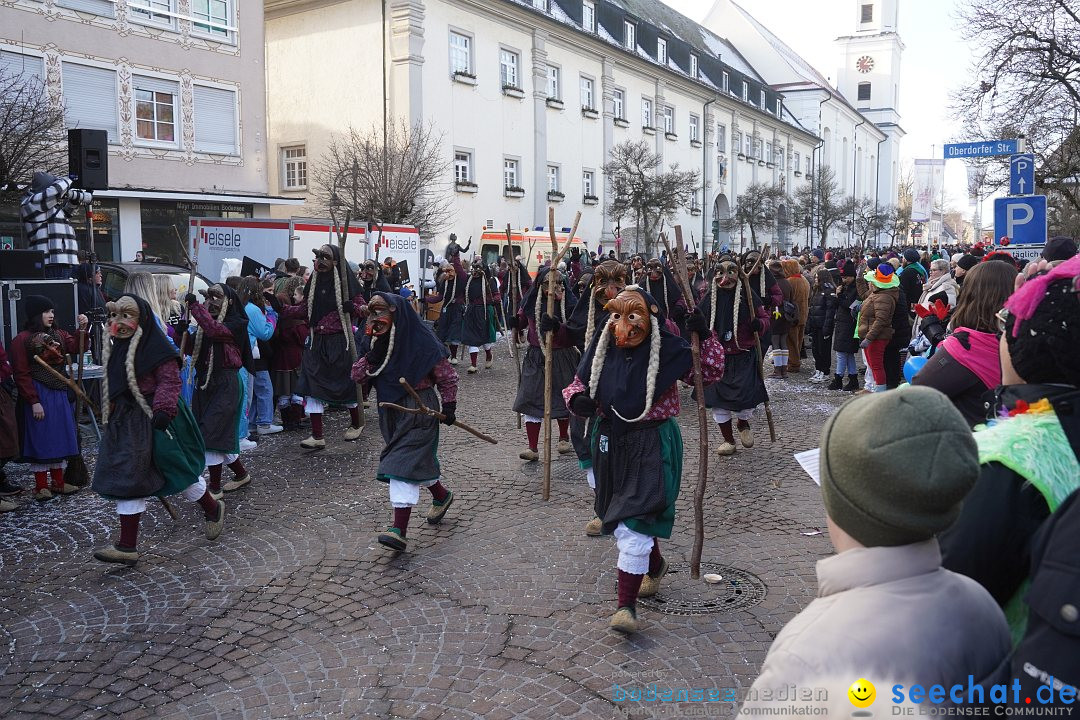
{"x": 849, "y": 227}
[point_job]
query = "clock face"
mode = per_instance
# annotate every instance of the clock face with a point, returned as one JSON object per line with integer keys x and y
{"x": 864, "y": 64}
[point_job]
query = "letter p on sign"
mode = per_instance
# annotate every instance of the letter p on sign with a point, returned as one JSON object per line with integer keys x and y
{"x": 1021, "y": 219}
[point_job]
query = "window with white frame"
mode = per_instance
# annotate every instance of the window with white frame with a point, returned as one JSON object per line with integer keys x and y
{"x": 509, "y": 61}
{"x": 756, "y": 147}
{"x": 462, "y": 166}
{"x": 158, "y": 12}
{"x": 211, "y": 17}
{"x": 510, "y": 173}
{"x": 646, "y": 112}
{"x": 460, "y": 53}
{"x": 553, "y": 178}
{"x": 693, "y": 66}
{"x": 779, "y": 107}
{"x": 155, "y": 109}
{"x": 105, "y": 8}
{"x": 540, "y": 5}
{"x": 809, "y": 164}
{"x": 745, "y": 91}
{"x": 629, "y": 35}
{"x": 587, "y": 186}
{"x": 553, "y": 84}
{"x": 721, "y": 137}
{"x": 695, "y": 127}
{"x": 768, "y": 152}
{"x": 588, "y": 16}
{"x": 721, "y": 168}
{"x": 669, "y": 118}
{"x": 661, "y": 51}
{"x": 215, "y": 120}
{"x": 726, "y": 82}
{"x": 780, "y": 157}
{"x": 795, "y": 162}
{"x": 294, "y": 167}
{"x": 587, "y": 93}
{"x": 90, "y": 98}
{"x": 762, "y": 99}
{"x": 747, "y": 145}
{"x": 618, "y": 104}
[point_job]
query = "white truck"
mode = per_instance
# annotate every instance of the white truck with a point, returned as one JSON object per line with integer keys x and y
{"x": 264, "y": 241}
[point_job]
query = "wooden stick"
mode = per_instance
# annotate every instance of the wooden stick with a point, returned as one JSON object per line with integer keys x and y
{"x": 69, "y": 382}
{"x": 757, "y": 337}
{"x": 678, "y": 259}
{"x": 425, "y": 410}
{"x": 549, "y": 338}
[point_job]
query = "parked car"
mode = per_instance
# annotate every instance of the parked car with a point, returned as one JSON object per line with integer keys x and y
{"x": 115, "y": 274}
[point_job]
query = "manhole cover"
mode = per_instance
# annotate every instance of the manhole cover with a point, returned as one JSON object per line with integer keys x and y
{"x": 679, "y": 595}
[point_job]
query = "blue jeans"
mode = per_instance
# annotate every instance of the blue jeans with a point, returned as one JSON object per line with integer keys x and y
{"x": 261, "y": 406}
{"x": 845, "y": 363}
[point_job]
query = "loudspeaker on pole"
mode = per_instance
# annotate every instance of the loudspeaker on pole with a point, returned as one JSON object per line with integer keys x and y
{"x": 88, "y": 158}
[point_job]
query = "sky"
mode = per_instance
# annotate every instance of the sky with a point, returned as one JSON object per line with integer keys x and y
{"x": 933, "y": 65}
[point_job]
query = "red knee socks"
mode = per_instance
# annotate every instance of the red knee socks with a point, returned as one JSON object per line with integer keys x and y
{"x": 629, "y": 584}
{"x": 564, "y": 428}
{"x": 532, "y": 430}
{"x": 316, "y": 425}
{"x": 209, "y": 505}
{"x": 438, "y": 492}
{"x": 487, "y": 355}
{"x": 237, "y": 467}
{"x": 215, "y": 478}
{"x": 453, "y": 351}
{"x": 655, "y": 559}
{"x": 725, "y": 430}
{"x": 129, "y": 531}
{"x": 401, "y": 519}
{"x": 474, "y": 355}
{"x": 41, "y": 480}
{"x": 742, "y": 424}
{"x": 354, "y": 414}
{"x": 57, "y": 477}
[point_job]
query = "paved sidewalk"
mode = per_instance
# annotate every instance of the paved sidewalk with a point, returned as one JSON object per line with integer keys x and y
{"x": 500, "y": 612}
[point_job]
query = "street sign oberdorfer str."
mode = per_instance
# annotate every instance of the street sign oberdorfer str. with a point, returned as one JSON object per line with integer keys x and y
{"x": 1022, "y": 174}
{"x": 981, "y": 149}
{"x": 1021, "y": 219}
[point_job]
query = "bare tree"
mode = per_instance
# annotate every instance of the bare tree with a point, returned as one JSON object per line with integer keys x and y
{"x": 756, "y": 209}
{"x": 641, "y": 189}
{"x": 821, "y": 201}
{"x": 401, "y": 176}
{"x": 867, "y": 219}
{"x": 32, "y": 130}
{"x": 897, "y": 224}
{"x": 1027, "y": 84}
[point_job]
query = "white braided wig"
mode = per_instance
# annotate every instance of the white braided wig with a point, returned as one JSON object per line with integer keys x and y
{"x": 654, "y": 363}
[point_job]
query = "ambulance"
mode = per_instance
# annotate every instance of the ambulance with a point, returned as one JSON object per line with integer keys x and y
{"x": 532, "y": 246}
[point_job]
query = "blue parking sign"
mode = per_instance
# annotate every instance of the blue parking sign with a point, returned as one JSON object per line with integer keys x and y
{"x": 1021, "y": 219}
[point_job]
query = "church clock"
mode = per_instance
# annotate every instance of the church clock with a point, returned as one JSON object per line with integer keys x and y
{"x": 864, "y": 64}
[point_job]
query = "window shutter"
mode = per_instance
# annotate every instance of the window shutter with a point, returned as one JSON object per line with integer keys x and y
{"x": 215, "y": 120}
{"x": 142, "y": 82}
{"x": 21, "y": 65}
{"x": 90, "y": 98}
{"x": 98, "y": 7}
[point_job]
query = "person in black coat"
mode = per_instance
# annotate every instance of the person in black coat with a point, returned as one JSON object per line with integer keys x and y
{"x": 912, "y": 277}
{"x": 901, "y": 324}
{"x": 820, "y": 321}
{"x": 844, "y": 342}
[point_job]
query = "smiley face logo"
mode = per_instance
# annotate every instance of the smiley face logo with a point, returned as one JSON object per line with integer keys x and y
{"x": 862, "y": 693}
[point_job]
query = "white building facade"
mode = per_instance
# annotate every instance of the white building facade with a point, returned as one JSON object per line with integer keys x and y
{"x": 179, "y": 87}
{"x": 856, "y": 118}
{"x": 530, "y": 97}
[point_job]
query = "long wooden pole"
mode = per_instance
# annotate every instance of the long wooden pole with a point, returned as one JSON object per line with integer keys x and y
{"x": 549, "y": 338}
{"x": 744, "y": 276}
{"x": 679, "y": 260}
{"x": 514, "y": 283}
{"x": 190, "y": 379}
{"x": 343, "y": 271}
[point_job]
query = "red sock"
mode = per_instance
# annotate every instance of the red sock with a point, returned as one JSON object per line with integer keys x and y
{"x": 316, "y": 425}
{"x": 725, "y": 430}
{"x": 57, "y": 476}
{"x": 655, "y": 559}
{"x": 401, "y": 519}
{"x": 41, "y": 480}
{"x": 532, "y": 429}
{"x": 439, "y": 492}
{"x": 354, "y": 413}
{"x": 629, "y": 584}
{"x": 215, "y": 478}
{"x": 474, "y": 355}
{"x": 129, "y": 531}
{"x": 453, "y": 351}
{"x": 487, "y": 355}
{"x": 209, "y": 505}
{"x": 742, "y": 424}
{"x": 238, "y": 468}
{"x": 367, "y": 390}
{"x": 564, "y": 428}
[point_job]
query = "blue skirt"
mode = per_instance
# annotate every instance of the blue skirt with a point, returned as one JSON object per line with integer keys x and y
{"x": 52, "y": 439}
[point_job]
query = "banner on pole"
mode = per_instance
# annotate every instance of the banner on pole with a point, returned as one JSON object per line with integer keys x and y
{"x": 929, "y": 181}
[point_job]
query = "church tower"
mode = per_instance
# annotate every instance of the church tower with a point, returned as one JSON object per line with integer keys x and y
{"x": 869, "y": 77}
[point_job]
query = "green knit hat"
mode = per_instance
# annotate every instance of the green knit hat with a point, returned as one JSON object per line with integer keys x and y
{"x": 896, "y": 465}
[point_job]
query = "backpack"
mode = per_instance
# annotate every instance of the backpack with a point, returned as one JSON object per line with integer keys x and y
{"x": 789, "y": 311}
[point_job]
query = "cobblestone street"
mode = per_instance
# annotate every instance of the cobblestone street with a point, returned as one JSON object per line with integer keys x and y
{"x": 500, "y": 612}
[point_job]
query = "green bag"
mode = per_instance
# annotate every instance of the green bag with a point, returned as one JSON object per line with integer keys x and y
{"x": 179, "y": 451}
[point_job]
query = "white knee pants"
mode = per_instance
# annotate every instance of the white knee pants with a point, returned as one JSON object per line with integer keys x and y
{"x": 134, "y": 506}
